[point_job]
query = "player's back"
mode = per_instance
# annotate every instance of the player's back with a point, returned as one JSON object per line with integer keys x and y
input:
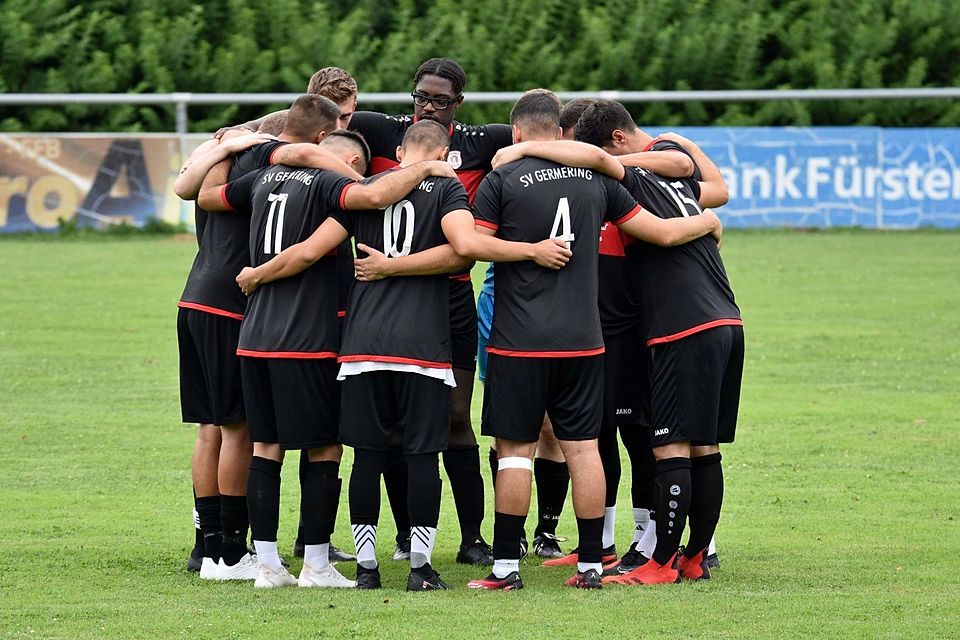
{"x": 404, "y": 317}
{"x": 539, "y": 310}
{"x": 296, "y": 314}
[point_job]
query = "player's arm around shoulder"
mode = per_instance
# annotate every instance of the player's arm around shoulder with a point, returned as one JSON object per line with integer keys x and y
{"x": 305, "y": 154}
{"x": 713, "y": 188}
{"x": 294, "y": 259}
{"x": 566, "y": 152}
{"x": 670, "y": 164}
{"x": 392, "y": 187}
{"x": 671, "y": 232}
{"x": 194, "y": 171}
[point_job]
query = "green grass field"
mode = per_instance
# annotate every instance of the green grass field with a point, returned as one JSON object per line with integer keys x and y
{"x": 842, "y": 515}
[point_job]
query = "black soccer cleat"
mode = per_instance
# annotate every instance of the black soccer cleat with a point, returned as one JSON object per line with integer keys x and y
{"x": 425, "y": 578}
{"x": 511, "y": 582}
{"x": 477, "y": 553}
{"x": 339, "y": 555}
{"x": 589, "y": 579}
{"x": 713, "y": 561}
{"x": 547, "y": 545}
{"x": 195, "y": 559}
{"x": 368, "y": 578}
{"x": 627, "y": 563}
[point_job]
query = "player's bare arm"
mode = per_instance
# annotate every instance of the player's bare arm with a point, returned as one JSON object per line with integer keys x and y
{"x": 190, "y": 180}
{"x": 670, "y": 164}
{"x": 567, "y": 152}
{"x": 713, "y": 188}
{"x": 433, "y": 261}
{"x": 295, "y": 258}
{"x": 670, "y": 232}
{"x": 390, "y": 188}
{"x": 305, "y": 154}
{"x": 477, "y": 242}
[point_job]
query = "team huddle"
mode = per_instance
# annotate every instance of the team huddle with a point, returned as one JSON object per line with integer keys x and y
{"x": 606, "y": 308}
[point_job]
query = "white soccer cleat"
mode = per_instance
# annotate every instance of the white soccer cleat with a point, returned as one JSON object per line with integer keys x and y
{"x": 326, "y": 577}
{"x": 245, "y": 569}
{"x": 208, "y": 569}
{"x": 268, "y": 578}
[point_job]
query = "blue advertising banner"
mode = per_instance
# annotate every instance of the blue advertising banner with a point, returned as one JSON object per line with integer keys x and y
{"x": 777, "y": 177}
{"x": 835, "y": 176}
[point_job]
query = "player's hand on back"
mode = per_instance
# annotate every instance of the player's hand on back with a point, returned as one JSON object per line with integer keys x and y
{"x": 439, "y": 169}
{"x": 717, "y": 232}
{"x": 506, "y": 155}
{"x": 248, "y": 281}
{"x": 551, "y": 253}
{"x": 375, "y": 266}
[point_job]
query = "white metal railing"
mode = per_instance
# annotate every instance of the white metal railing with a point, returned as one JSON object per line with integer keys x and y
{"x": 183, "y": 100}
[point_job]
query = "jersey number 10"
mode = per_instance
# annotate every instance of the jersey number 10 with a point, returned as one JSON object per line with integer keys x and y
{"x": 399, "y": 214}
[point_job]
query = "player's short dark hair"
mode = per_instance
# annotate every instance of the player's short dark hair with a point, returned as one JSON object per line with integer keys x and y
{"x": 274, "y": 123}
{"x": 572, "y": 111}
{"x": 334, "y": 83}
{"x": 537, "y": 110}
{"x": 599, "y": 120}
{"x": 426, "y": 134}
{"x": 356, "y": 140}
{"x": 443, "y": 68}
{"x": 310, "y": 114}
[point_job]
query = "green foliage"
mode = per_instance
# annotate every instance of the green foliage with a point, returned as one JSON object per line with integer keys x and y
{"x": 505, "y": 45}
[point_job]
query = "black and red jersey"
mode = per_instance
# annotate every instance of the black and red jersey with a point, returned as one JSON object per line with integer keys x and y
{"x": 293, "y": 317}
{"x": 402, "y": 320}
{"x": 618, "y": 302}
{"x": 223, "y": 248}
{"x": 540, "y": 312}
{"x": 683, "y": 289}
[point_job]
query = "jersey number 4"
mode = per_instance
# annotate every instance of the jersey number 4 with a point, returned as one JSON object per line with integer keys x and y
{"x": 273, "y": 236}
{"x": 561, "y": 223}
{"x": 399, "y": 215}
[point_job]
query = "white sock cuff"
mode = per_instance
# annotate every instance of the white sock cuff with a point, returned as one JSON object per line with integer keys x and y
{"x": 515, "y": 462}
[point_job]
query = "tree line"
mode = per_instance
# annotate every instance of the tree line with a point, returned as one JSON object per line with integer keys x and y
{"x": 505, "y": 45}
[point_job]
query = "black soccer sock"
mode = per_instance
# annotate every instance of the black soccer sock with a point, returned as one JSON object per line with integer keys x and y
{"x": 590, "y": 542}
{"x": 304, "y": 461}
{"x": 706, "y": 474}
{"x": 263, "y": 498}
{"x": 364, "y": 496}
{"x": 494, "y": 466}
{"x": 423, "y": 501}
{"x": 208, "y": 511}
{"x": 463, "y": 469}
{"x": 553, "y": 480}
{"x": 673, "y": 492}
{"x": 319, "y": 499}
{"x": 235, "y": 519}
{"x": 395, "y": 480}
{"x": 198, "y": 544}
{"x": 610, "y": 458}
{"x": 643, "y": 466}
{"x": 507, "y": 530}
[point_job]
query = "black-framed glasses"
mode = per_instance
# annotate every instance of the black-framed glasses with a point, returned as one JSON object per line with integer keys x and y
{"x": 439, "y": 103}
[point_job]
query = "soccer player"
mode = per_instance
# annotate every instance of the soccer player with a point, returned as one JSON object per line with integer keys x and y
{"x": 693, "y": 327}
{"x": 395, "y": 366}
{"x": 437, "y": 93}
{"x": 545, "y": 344}
{"x": 208, "y": 329}
{"x": 288, "y": 343}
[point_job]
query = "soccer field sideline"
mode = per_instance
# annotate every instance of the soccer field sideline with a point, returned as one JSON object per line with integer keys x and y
{"x": 841, "y": 512}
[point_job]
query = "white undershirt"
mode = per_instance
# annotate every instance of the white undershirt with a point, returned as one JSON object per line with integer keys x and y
{"x": 363, "y": 366}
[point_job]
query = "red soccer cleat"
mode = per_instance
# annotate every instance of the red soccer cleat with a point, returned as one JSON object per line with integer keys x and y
{"x": 511, "y": 582}
{"x": 649, "y": 573}
{"x": 694, "y": 568}
{"x": 572, "y": 558}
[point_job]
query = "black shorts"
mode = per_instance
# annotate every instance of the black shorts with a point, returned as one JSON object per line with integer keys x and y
{"x": 695, "y": 387}
{"x": 383, "y": 403}
{"x": 463, "y": 325}
{"x": 210, "y": 390}
{"x": 520, "y": 390}
{"x": 626, "y": 385}
{"x": 291, "y": 402}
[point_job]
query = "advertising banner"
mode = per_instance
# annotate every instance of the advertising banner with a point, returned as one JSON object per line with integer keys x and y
{"x": 777, "y": 177}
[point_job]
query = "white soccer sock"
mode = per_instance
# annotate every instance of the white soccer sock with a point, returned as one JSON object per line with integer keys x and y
{"x": 609, "y": 525}
{"x": 421, "y": 545}
{"x": 316, "y": 555}
{"x": 586, "y": 566}
{"x": 641, "y": 520}
{"x": 712, "y": 547}
{"x": 365, "y": 537}
{"x": 649, "y": 540}
{"x": 267, "y": 554}
{"x": 503, "y": 568}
